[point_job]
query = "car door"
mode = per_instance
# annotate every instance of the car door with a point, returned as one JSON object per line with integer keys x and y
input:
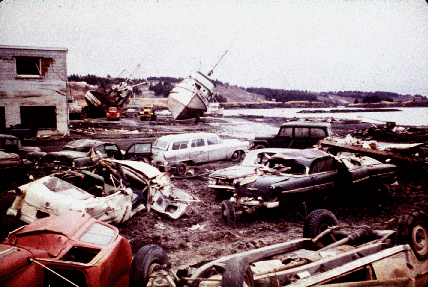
{"x": 198, "y": 150}
{"x": 300, "y": 138}
{"x": 216, "y": 150}
{"x": 284, "y": 138}
{"x": 139, "y": 152}
{"x": 324, "y": 175}
{"x": 112, "y": 150}
{"x": 179, "y": 151}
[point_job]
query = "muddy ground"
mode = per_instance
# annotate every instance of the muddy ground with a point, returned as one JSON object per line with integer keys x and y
{"x": 201, "y": 234}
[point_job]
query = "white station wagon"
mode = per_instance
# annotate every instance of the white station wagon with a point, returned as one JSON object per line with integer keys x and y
{"x": 176, "y": 152}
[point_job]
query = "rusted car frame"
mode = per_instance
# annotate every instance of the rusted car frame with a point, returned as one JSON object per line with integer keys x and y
{"x": 329, "y": 254}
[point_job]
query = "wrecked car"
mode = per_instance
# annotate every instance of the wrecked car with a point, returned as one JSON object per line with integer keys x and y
{"x": 312, "y": 177}
{"x": 12, "y": 144}
{"x": 71, "y": 250}
{"x": 14, "y": 170}
{"x": 253, "y": 163}
{"x": 295, "y": 135}
{"x": 328, "y": 253}
{"x": 177, "y": 152}
{"x": 77, "y": 154}
{"x": 62, "y": 160}
{"x": 113, "y": 191}
{"x": 102, "y": 149}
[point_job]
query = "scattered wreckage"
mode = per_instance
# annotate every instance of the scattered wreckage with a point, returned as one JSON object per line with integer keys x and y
{"x": 390, "y": 132}
{"x": 312, "y": 177}
{"x": 76, "y": 155}
{"x": 15, "y": 161}
{"x": 70, "y": 250}
{"x": 177, "y": 152}
{"x": 112, "y": 192}
{"x": 99, "y": 101}
{"x": 328, "y": 254}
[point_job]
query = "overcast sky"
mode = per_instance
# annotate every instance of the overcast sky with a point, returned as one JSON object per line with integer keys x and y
{"x": 329, "y": 45}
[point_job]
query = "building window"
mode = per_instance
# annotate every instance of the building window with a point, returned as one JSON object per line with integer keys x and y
{"x": 28, "y": 67}
{"x": 41, "y": 117}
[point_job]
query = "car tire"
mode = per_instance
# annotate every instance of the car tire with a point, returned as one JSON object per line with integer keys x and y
{"x": 228, "y": 212}
{"x": 316, "y": 222}
{"x": 412, "y": 229}
{"x": 236, "y": 156}
{"x": 180, "y": 169}
{"x": 237, "y": 273}
{"x": 144, "y": 262}
{"x": 259, "y": 146}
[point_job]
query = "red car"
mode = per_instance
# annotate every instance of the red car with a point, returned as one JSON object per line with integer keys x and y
{"x": 73, "y": 250}
{"x": 114, "y": 113}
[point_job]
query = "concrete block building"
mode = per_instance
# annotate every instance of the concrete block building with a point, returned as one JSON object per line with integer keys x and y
{"x": 33, "y": 88}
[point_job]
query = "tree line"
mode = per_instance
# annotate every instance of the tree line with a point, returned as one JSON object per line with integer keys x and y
{"x": 162, "y": 86}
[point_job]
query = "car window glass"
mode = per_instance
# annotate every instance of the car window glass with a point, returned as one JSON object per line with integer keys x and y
{"x": 100, "y": 149}
{"x": 317, "y": 133}
{"x": 160, "y": 144}
{"x": 286, "y": 132}
{"x": 301, "y": 132}
{"x": 212, "y": 140}
{"x": 184, "y": 144}
{"x": 111, "y": 147}
{"x": 141, "y": 148}
{"x": 175, "y": 146}
{"x": 198, "y": 142}
{"x": 323, "y": 165}
{"x": 132, "y": 149}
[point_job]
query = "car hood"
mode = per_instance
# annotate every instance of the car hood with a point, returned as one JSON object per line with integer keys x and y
{"x": 234, "y": 172}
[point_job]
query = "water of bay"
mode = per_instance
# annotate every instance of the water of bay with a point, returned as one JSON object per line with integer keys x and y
{"x": 404, "y": 116}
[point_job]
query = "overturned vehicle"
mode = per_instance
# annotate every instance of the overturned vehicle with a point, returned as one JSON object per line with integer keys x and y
{"x": 311, "y": 177}
{"x": 112, "y": 192}
{"x": 328, "y": 254}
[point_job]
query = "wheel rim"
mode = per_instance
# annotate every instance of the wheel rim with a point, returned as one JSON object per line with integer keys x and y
{"x": 224, "y": 212}
{"x": 420, "y": 238}
{"x": 235, "y": 155}
{"x": 152, "y": 268}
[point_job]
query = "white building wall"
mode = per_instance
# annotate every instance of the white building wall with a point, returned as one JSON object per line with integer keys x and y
{"x": 48, "y": 90}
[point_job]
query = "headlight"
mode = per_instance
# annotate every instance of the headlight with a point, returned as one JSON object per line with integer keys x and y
{"x": 212, "y": 181}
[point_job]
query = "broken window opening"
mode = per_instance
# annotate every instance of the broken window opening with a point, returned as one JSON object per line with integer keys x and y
{"x": 28, "y": 66}
{"x": 42, "y": 117}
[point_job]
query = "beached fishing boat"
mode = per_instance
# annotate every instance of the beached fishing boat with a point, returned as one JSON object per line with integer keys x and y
{"x": 189, "y": 98}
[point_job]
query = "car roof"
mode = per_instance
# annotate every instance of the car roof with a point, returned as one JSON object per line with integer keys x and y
{"x": 67, "y": 153}
{"x": 84, "y": 143}
{"x": 305, "y": 124}
{"x": 187, "y": 136}
{"x": 58, "y": 224}
{"x": 145, "y": 168}
{"x": 303, "y": 156}
{"x": 4, "y": 136}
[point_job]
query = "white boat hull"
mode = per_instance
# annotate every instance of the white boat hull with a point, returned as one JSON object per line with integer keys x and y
{"x": 189, "y": 98}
